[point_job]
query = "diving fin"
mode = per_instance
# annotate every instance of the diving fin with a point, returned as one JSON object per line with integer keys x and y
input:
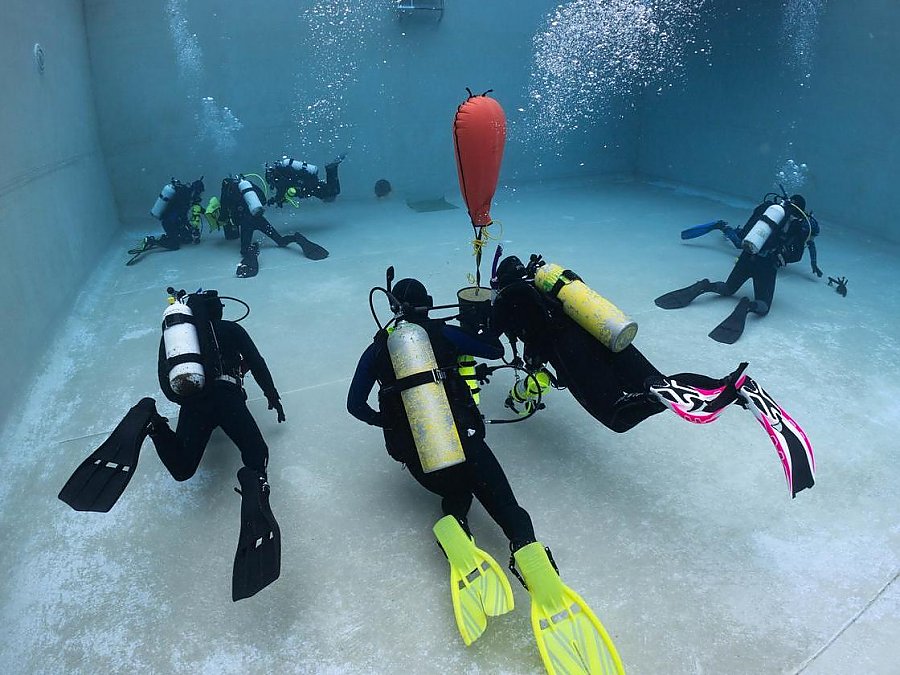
{"x": 310, "y": 250}
{"x": 257, "y": 561}
{"x": 478, "y": 586}
{"x": 696, "y": 398}
{"x": 730, "y": 330}
{"x": 101, "y": 479}
{"x": 569, "y": 635}
{"x": 683, "y": 296}
{"x": 249, "y": 265}
{"x": 705, "y": 228}
{"x": 146, "y": 244}
{"x": 790, "y": 441}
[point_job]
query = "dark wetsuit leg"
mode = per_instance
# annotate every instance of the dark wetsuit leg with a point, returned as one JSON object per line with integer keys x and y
{"x": 254, "y": 223}
{"x": 238, "y": 424}
{"x": 764, "y": 276}
{"x": 482, "y": 476}
{"x": 181, "y": 450}
{"x": 598, "y": 378}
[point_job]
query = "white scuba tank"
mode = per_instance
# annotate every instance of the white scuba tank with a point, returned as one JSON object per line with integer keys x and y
{"x": 162, "y": 202}
{"x": 762, "y": 229}
{"x": 250, "y": 197}
{"x": 182, "y": 346}
{"x": 297, "y": 165}
{"x": 427, "y": 407}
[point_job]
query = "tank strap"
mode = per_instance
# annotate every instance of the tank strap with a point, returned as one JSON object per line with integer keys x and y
{"x": 175, "y": 319}
{"x": 415, "y": 380}
{"x": 565, "y": 277}
{"x": 768, "y": 220}
{"x": 183, "y": 358}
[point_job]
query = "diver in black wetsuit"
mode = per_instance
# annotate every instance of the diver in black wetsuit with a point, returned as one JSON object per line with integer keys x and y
{"x": 622, "y": 389}
{"x": 180, "y": 219}
{"x": 614, "y": 387}
{"x": 234, "y": 207}
{"x": 790, "y": 235}
{"x": 228, "y": 352}
{"x": 480, "y": 475}
{"x": 289, "y": 178}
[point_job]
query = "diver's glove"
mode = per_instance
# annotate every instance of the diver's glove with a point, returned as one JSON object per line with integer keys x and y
{"x": 275, "y": 404}
{"x": 817, "y": 271}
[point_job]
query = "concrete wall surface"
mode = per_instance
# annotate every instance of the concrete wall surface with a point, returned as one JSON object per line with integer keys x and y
{"x": 312, "y": 79}
{"x": 56, "y": 208}
{"x": 758, "y": 101}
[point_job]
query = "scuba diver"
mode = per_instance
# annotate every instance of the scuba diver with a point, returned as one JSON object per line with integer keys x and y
{"x": 588, "y": 342}
{"x": 775, "y": 235}
{"x": 290, "y": 178}
{"x": 432, "y": 425}
{"x": 241, "y": 202}
{"x": 178, "y": 207}
{"x": 201, "y": 366}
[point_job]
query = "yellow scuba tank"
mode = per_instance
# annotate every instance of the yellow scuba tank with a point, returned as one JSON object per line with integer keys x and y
{"x": 590, "y": 310}
{"x": 426, "y": 404}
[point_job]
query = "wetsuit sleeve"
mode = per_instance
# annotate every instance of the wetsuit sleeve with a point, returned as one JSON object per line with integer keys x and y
{"x": 488, "y": 346}
{"x": 255, "y": 362}
{"x": 811, "y": 245}
{"x": 361, "y": 386}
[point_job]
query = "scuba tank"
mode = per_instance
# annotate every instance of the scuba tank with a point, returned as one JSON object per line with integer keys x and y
{"x": 590, "y": 310}
{"x": 182, "y": 345}
{"x": 251, "y": 199}
{"x": 298, "y": 166}
{"x": 162, "y": 201}
{"x": 762, "y": 229}
{"x": 424, "y": 398}
{"x": 526, "y": 391}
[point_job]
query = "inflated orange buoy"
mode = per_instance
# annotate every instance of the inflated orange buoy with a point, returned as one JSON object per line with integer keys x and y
{"x": 479, "y": 134}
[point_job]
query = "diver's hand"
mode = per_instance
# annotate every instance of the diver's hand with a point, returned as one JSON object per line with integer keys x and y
{"x": 275, "y": 404}
{"x": 817, "y": 271}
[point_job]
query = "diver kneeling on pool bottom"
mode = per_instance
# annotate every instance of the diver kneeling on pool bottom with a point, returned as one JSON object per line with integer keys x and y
{"x": 432, "y": 425}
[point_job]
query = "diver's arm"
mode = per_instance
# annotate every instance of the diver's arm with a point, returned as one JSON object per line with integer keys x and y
{"x": 254, "y": 361}
{"x": 486, "y": 346}
{"x": 360, "y": 388}
{"x": 811, "y": 245}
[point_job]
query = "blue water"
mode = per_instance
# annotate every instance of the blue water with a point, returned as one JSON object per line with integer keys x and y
{"x": 627, "y": 121}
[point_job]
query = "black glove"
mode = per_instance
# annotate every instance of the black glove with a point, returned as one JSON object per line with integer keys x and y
{"x": 482, "y": 373}
{"x": 275, "y": 404}
{"x": 817, "y": 271}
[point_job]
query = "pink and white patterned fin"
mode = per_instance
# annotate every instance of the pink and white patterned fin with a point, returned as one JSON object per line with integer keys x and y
{"x": 790, "y": 441}
{"x": 690, "y": 403}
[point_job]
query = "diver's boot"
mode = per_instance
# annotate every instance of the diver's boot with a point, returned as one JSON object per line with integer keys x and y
{"x": 683, "y": 296}
{"x": 569, "y": 635}
{"x": 146, "y": 244}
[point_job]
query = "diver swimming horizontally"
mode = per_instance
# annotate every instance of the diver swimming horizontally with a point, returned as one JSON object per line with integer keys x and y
{"x": 587, "y": 341}
{"x": 201, "y": 366}
{"x": 432, "y": 425}
{"x": 178, "y": 208}
{"x": 291, "y": 179}
{"x": 241, "y": 202}
{"x": 775, "y": 235}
